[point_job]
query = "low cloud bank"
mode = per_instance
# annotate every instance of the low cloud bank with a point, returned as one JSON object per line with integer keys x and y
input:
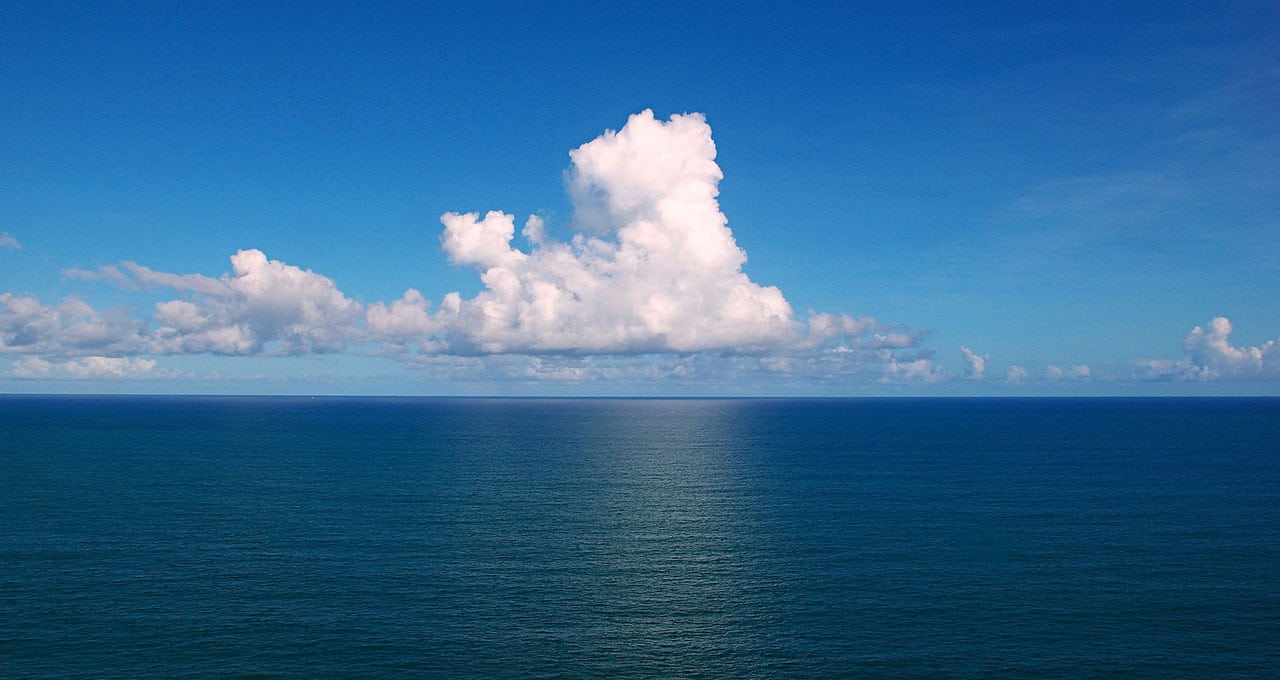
{"x": 87, "y": 368}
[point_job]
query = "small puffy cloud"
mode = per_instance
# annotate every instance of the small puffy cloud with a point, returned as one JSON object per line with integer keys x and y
{"x": 9, "y": 242}
{"x": 1077, "y": 372}
{"x": 87, "y": 368}
{"x": 908, "y": 369}
{"x": 1016, "y": 374}
{"x": 1211, "y": 356}
{"x": 977, "y": 363}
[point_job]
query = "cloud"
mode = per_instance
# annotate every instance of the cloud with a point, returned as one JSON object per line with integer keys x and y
{"x": 1214, "y": 357}
{"x": 1210, "y": 356}
{"x": 908, "y": 369}
{"x": 85, "y": 368}
{"x": 1077, "y": 372}
{"x": 1016, "y": 375}
{"x": 8, "y": 241}
{"x": 406, "y": 322}
{"x": 1097, "y": 201}
{"x": 71, "y": 328}
{"x": 977, "y": 363}
{"x": 650, "y": 283}
{"x": 654, "y": 269}
{"x": 262, "y": 306}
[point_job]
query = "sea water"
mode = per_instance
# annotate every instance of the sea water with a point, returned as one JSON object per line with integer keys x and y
{"x": 477, "y": 538}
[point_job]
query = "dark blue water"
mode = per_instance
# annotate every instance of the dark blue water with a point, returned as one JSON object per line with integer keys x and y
{"x": 283, "y": 537}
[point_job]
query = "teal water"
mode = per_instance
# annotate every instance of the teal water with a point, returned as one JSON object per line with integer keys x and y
{"x": 469, "y": 538}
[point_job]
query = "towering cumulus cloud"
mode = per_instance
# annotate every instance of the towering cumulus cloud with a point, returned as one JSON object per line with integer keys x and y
{"x": 655, "y": 267}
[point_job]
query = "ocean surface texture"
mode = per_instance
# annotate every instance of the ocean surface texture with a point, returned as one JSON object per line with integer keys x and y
{"x": 473, "y": 538}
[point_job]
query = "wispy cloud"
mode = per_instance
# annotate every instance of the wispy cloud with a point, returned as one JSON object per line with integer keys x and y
{"x": 9, "y": 242}
{"x": 1098, "y": 203}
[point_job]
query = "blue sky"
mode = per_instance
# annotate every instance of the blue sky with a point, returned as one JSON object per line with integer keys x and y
{"x": 931, "y": 199}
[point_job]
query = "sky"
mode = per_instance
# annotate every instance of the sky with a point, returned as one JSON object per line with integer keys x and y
{"x": 670, "y": 199}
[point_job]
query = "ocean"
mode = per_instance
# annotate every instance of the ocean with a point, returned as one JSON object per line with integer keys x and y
{"x": 194, "y": 537}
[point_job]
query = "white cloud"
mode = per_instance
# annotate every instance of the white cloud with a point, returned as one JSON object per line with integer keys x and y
{"x": 8, "y": 241}
{"x": 1077, "y": 372}
{"x": 656, "y": 269}
{"x": 823, "y": 328}
{"x": 650, "y": 286}
{"x": 405, "y": 323}
{"x": 71, "y": 328}
{"x": 1016, "y": 374}
{"x": 1211, "y": 352}
{"x": 85, "y": 368}
{"x": 1211, "y": 356}
{"x": 261, "y": 306}
{"x": 977, "y": 363}
{"x": 908, "y": 369}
